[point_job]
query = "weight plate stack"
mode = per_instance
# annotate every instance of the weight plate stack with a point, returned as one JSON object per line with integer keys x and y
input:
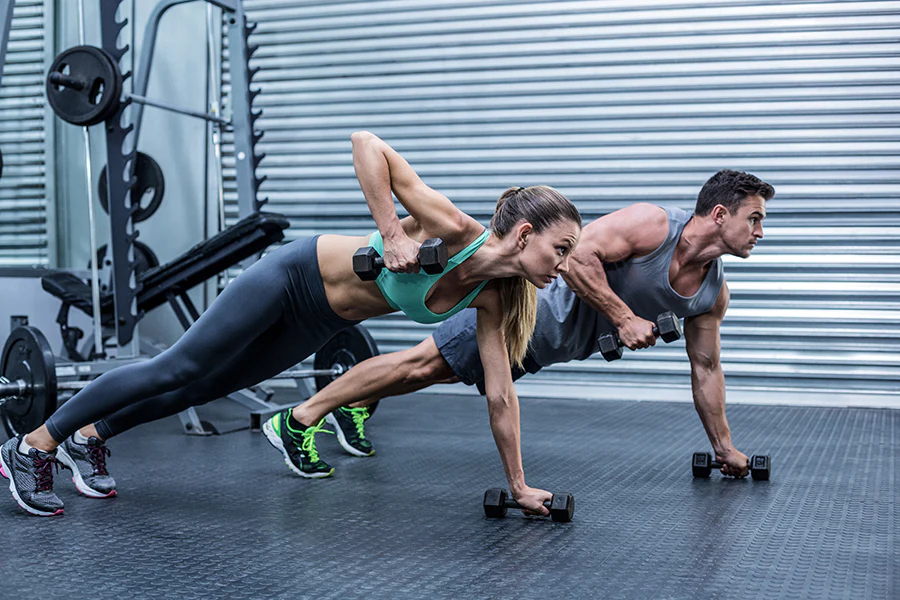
{"x": 27, "y": 356}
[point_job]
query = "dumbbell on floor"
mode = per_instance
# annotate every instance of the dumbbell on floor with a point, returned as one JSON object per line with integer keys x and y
{"x": 497, "y": 502}
{"x": 667, "y": 327}
{"x": 367, "y": 263}
{"x": 760, "y": 465}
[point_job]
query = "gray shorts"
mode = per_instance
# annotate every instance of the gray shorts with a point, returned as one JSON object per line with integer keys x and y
{"x": 458, "y": 344}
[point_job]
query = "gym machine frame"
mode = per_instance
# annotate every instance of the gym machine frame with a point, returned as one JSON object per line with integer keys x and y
{"x": 120, "y": 157}
{"x": 25, "y": 353}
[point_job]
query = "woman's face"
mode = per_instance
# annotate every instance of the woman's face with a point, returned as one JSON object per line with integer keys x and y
{"x": 545, "y": 255}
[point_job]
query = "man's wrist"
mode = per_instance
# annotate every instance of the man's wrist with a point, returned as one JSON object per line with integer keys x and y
{"x": 723, "y": 447}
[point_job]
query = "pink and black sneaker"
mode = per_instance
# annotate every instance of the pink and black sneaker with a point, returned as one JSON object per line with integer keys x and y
{"x": 88, "y": 465}
{"x": 30, "y": 478}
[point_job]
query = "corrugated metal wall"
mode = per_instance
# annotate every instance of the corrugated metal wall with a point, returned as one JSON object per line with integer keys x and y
{"x": 617, "y": 102}
{"x": 23, "y": 195}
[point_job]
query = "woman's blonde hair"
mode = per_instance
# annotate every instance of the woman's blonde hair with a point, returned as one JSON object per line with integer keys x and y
{"x": 542, "y": 207}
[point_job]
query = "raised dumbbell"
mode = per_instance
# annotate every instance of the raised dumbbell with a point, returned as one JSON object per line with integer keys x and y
{"x": 667, "y": 327}
{"x": 367, "y": 263}
{"x": 497, "y": 502}
{"x": 760, "y": 465}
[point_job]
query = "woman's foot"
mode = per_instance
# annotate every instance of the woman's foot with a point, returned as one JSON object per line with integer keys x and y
{"x": 87, "y": 462}
{"x": 30, "y": 478}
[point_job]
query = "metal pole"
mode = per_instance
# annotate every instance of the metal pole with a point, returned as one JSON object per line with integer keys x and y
{"x": 95, "y": 271}
{"x": 216, "y": 132}
{"x": 177, "y": 109}
{"x": 5, "y": 24}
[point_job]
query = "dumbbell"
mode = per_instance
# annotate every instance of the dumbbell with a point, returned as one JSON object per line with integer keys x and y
{"x": 497, "y": 502}
{"x": 703, "y": 464}
{"x": 667, "y": 327}
{"x": 367, "y": 263}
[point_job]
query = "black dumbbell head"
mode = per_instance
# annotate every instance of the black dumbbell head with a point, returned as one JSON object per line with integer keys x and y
{"x": 610, "y": 347}
{"x": 760, "y": 467}
{"x": 562, "y": 507}
{"x": 365, "y": 263}
{"x": 701, "y": 464}
{"x": 669, "y": 327}
{"x": 433, "y": 256}
{"x": 495, "y": 503}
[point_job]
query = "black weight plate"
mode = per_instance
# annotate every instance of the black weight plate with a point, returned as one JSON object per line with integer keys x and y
{"x": 27, "y": 356}
{"x": 349, "y": 347}
{"x": 148, "y": 190}
{"x": 101, "y": 86}
{"x": 145, "y": 257}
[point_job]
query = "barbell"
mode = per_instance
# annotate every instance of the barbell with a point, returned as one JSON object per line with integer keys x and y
{"x": 29, "y": 381}
{"x": 84, "y": 87}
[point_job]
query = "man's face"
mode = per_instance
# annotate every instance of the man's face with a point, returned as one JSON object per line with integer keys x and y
{"x": 741, "y": 230}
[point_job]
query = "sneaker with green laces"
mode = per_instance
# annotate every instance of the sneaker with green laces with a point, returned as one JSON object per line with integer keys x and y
{"x": 298, "y": 446}
{"x": 349, "y": 425}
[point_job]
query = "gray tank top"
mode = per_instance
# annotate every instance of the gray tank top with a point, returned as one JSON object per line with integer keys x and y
{"x": 568, "y": 329}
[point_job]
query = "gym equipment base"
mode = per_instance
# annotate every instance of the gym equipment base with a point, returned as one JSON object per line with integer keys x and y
{"x": 222, "y": 517}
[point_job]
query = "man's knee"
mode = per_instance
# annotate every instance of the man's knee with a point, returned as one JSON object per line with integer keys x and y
{"x": 424, "y": 364}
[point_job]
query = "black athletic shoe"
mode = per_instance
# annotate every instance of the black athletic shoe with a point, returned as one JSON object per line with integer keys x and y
{"x": 349, "y": 425}
{"x": 297, "y": 446}
{"x": 88, "y": 465}
{"x": 30, "y": 478}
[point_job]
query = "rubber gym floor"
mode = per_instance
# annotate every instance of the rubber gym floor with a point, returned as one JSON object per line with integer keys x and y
{"x": 222, "y": 517}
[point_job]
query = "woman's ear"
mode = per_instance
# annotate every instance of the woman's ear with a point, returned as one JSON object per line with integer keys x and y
{"x": 524, "y": 230}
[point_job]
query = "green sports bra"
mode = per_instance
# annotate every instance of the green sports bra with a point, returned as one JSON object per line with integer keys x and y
{"x": 407, "y": 291}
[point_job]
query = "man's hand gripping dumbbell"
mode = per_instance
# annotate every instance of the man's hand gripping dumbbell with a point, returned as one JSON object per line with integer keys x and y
{"x": 667, "y": 327}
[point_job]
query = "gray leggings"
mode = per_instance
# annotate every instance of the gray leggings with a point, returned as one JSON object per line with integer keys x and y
{"x": 268, "y": 319}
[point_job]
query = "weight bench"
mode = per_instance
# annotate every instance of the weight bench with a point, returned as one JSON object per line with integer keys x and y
{"x": 169, "y": 282}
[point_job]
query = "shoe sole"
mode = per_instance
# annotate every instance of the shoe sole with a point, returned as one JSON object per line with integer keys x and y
{"x": 87, "y": 491}
{"x": 342, "y": 440}
{"x": 12, "y": 488}
{"x": 276, "y": 442}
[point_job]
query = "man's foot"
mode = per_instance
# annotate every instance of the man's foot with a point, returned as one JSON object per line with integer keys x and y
{"x": 349, "y": 425}
{"x": 298, "y": 445}
{"x": 30, "y": 478}
{"x": 88, "y": 465}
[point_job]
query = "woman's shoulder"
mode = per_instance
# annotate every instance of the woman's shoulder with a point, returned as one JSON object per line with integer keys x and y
{"x": 489, "y": 296}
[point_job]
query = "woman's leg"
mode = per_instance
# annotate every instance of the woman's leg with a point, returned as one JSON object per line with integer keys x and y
{"x": 271, "y": 353}
{"x": 250, "y": 305}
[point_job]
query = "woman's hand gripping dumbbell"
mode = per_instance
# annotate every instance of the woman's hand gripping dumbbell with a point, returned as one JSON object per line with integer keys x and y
{"x": 367, "y": 263}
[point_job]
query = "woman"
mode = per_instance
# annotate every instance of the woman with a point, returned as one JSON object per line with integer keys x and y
{"x": 287, "y": 305}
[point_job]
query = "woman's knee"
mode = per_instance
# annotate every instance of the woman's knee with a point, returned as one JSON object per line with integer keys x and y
{"x": 178, "y": 371}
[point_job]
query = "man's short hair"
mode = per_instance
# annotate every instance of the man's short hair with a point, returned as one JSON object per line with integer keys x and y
{"x": 730, "y": 189}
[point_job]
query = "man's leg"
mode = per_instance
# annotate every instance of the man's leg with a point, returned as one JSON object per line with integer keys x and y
{"x": 378, "y": 377}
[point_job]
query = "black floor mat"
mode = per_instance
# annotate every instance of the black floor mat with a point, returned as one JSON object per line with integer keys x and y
{"x": 223, "y": 517}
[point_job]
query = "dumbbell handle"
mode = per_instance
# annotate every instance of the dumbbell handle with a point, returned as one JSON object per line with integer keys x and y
{"x": 379, "y": 261}
{"x": 68, "y": 81}
{"x": 619, "y": 340}
{"x": 510, "y": 503}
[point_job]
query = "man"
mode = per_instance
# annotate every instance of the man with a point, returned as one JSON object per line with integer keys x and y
{"x": 629, "y": 266}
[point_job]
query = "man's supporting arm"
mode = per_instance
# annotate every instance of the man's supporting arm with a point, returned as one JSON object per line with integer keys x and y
{"x": 701, "y": 335}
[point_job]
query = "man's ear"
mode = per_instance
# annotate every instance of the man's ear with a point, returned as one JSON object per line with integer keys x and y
{"x": 719, "y": 212}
